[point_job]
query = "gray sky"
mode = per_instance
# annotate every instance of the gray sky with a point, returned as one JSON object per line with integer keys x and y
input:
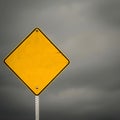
{"x": 88, "y": 33}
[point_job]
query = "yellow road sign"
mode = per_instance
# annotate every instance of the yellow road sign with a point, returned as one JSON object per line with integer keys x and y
{"x": 36, "y": 61}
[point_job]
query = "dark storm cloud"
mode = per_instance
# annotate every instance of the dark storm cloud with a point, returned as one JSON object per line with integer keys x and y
{"x": 89, "y": 88}
{"x": 108, "y": 12}
{"x": 106, "y": 78}
{"x": 13, "y": 104}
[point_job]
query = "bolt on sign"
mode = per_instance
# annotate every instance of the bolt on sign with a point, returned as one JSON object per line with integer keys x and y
{"x": 36, "y": 61}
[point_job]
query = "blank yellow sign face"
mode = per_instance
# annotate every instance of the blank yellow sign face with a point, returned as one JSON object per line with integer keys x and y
{"x": 36, "y": 61}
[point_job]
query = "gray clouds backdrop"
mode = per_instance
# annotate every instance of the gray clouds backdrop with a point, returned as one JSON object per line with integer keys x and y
{"x": 88, "y": 33}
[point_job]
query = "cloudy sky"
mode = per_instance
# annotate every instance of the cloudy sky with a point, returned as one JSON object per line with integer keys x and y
{"x": 88, "y": 33}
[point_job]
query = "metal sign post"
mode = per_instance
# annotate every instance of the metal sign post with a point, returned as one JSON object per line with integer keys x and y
{"x": 36, "y": 107}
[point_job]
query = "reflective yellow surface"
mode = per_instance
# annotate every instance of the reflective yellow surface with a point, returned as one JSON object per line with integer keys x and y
{"x": 36, "y": 61}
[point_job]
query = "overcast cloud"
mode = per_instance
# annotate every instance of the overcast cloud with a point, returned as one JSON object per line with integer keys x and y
{"x": 88, "y": 33}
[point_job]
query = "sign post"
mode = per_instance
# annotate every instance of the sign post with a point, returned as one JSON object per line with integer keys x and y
{"x": 37, "y": 107}
{"x": 37, "y": 62}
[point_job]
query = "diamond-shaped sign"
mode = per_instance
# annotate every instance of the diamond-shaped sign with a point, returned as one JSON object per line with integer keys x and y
{"x": 36, "y": 61}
